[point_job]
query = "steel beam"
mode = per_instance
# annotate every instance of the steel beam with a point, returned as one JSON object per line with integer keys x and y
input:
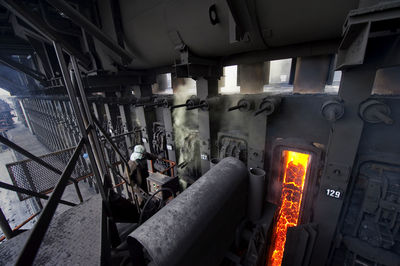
{"x": 22, "y": 68}
{"x": 88, "y": 120}
{"x": 81, "y": 120}
{"x": 89, "y": 27}
{"x": 312, "y": 74}
{"x": 145, "y": 119}
{"x": 18, "y": 8}
{"x": 31, "y": 193}
{"x": 169, "y": 135}
{"x": 355, "y": 87}
{"x": 206, "y": 88}
{"x": 32, "y": 245}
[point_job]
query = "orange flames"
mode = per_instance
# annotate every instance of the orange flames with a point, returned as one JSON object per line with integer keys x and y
{"x": 296, "y": 165}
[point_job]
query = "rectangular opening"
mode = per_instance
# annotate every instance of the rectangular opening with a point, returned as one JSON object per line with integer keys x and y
{"x": 295, "y": 167}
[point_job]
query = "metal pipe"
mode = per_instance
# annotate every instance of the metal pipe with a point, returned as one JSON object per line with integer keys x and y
{"x": 236, "y": 107}
{"x": 32, "y": 245}
{"x": 256, "y": 193}
{"x": 179, "y": 106}
{"x": 209, "y": 211}
{"x": 89, "y": 27}
{"x": 31, "y": 193}
{"x": 196, "y": 106}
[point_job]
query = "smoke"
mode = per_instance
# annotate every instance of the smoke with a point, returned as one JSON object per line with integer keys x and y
{"x": 185, "y": 124}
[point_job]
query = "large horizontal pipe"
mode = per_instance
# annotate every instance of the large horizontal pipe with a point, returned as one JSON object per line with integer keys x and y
{"x": 197, "y": 227}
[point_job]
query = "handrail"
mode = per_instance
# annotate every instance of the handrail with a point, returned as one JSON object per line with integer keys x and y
{"x": 171, "y": 167}
{"x": 31, "y": 193}
{"x": 32, "y": 245}
{"x": 38, "y": 160}
{"x": 21, "y": 224}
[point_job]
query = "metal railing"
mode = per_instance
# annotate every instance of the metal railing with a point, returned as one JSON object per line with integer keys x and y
{"x": 32, "y": 245}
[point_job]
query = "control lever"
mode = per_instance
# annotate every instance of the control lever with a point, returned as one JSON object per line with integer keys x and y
{"x": 243, "y": 105}
{"x": 268, "y": 105}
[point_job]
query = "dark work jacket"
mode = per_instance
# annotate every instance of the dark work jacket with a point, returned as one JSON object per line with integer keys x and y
{"x": 138, "y": 171}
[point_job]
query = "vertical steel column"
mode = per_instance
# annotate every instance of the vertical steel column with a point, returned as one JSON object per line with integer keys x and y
{"x": 206, "y": 87}
{"x": 252, "y": 77}
{"x": 144, "y": 117}
{"x": 257, "y": 141}
{"x": 62, "y": 123}
{"x": 28, "y": 122}
{"x": 311, "y": 74}
{"x": 89, "y": 138}
{"x": 124, "y": 121}
{"x": 117, "y": 157}
{"x": 88, "y": 119}
{"x": 169, "y": 132}
{"x": 69, "y": 123}
{"x": 57, "y": 124}
{"x": 356, "y": 86}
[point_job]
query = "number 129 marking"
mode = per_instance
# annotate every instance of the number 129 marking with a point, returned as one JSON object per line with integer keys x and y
{"x": 333, "y": 193}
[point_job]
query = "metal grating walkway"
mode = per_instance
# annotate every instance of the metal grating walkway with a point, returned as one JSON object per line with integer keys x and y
{"x": 73, "y": 238}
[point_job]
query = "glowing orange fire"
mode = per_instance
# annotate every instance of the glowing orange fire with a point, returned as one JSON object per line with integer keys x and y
{"x": 296, "y": 165}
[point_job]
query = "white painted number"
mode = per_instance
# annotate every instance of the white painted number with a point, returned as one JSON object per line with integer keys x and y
{"x": 333, "y": 193}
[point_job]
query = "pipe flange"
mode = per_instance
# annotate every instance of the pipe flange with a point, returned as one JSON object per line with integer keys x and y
{"x": 373, "y": 111}
{"x": 193, "y": 101}
{"x": 332, "y": 110}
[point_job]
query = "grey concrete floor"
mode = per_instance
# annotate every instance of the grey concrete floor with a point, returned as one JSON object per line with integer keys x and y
{"x": 16, "y": 211}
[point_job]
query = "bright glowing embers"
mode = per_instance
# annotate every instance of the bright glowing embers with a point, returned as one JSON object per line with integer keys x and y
{"x": 296, "y": 165}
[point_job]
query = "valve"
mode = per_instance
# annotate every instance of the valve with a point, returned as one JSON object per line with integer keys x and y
{"x": 243, "y": 105}
{"x": 268, "y": 105}
{"x": 332, "y": 110}
{"x": 373, "y": 111}
{"x": 189, "y": 103}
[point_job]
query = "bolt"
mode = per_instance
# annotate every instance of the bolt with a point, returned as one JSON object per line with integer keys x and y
{"x": 336, "y": 172}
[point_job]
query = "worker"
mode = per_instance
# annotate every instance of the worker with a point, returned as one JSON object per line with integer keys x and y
{"x": 138, "y": 170}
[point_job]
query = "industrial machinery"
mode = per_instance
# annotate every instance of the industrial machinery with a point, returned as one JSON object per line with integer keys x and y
{"x": 277, "y": 122}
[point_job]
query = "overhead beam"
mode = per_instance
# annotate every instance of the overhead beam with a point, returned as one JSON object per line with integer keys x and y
{"x": 22, "y": 68}
{"x": 17, "y": 7}
{"x": 90, "y": 28}
{"x": 12, "y": 86}
{"x": 274, "y": 53}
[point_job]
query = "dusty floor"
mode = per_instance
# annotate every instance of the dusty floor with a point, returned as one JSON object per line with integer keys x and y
{"x": 16, "y": 211}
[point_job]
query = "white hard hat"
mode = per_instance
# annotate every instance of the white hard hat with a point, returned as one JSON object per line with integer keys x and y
{"x": 138, "y": 153}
